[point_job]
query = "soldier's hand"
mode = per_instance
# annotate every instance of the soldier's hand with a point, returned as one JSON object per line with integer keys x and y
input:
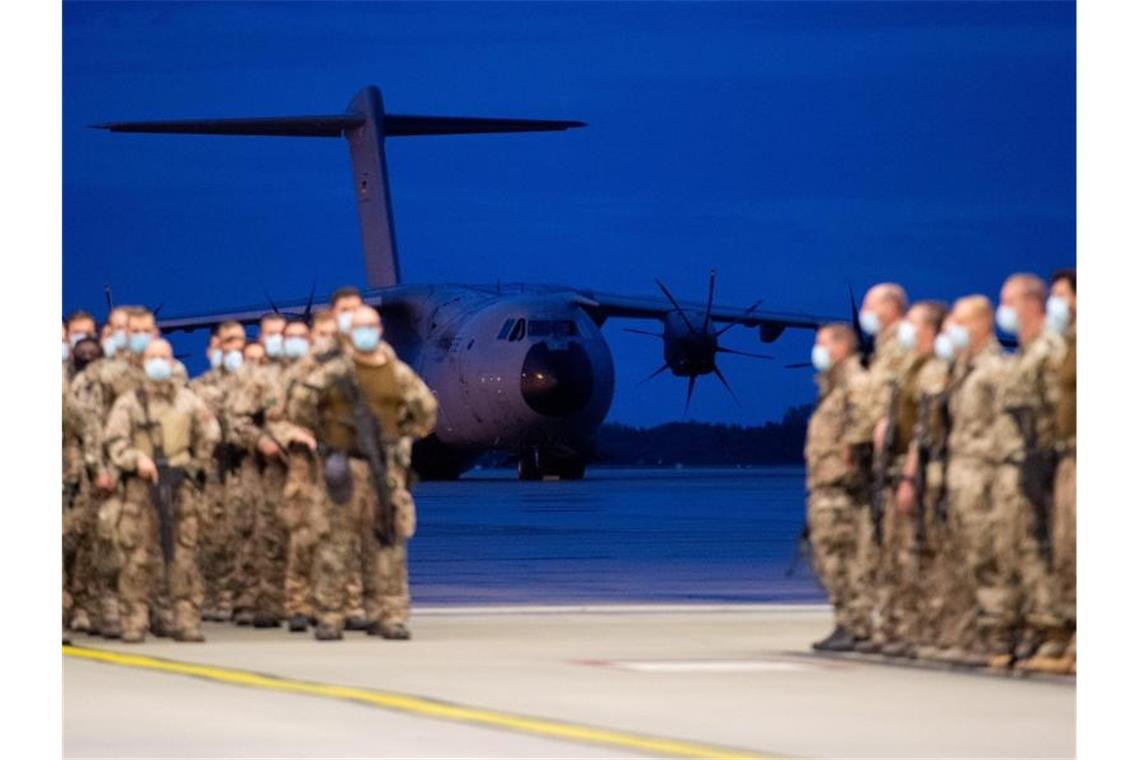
{"x": 268, "y": 447}
{"x": 145, "y": 468}
{"x": 880, "y": 435}
{"x": 304, "y": 439}
{"x": 103, "y": 482}
{"x": 905, "y": 497}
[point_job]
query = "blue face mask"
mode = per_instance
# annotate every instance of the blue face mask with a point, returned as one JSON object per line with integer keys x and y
{"x": 344, "y": 322}
{"x": 296, "y": 347}
{"x": 75, "y": 337}
{"x": 944, "y": 347}
{"x": 820, "y": 358}
{"x": 274, "y": 346}
{"x": 216, "y": 358}
{"x": 138, "y": 342}
{"x": 365, "y": 339}
{"x": 110, "y": 347}
{"x": 157, "y": 369}
{"x": 1007, "y": 320}
{"x": 232, "y": 361}
{"x": 907, "y": 334}
{"x": 66, "y": 351}
{"x": 869, "y": 322}
{"x": 120, "y": 338}
{"x": 1058, "y": 317}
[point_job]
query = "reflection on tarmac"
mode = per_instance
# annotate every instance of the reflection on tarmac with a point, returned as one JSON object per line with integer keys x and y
{"x": 552, "y": 683}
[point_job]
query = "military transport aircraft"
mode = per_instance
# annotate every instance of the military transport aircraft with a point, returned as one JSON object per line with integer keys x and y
{"x": 521, "y": 368}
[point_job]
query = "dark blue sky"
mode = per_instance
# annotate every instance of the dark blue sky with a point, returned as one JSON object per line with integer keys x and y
{"x": 795, "y": 147}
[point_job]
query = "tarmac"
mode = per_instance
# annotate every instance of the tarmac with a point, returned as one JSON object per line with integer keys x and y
{"x": 586, "y": 681}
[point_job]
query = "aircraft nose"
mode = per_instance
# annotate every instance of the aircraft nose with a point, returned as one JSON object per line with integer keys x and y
{"x": 557, "y": 381}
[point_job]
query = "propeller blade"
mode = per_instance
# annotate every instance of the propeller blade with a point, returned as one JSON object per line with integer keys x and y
{"x": 798, "y": 365}
{"x": 689, "y": 395}
{"x": 658, "y": 371}
{"x": 635, "y": 331}
{"x": 676, "y": 305}
{"x": 723, "y": 350}
{"x": 269, "y": 298}
{"x": 708, "y": 306}
{"x": 727, "y": 387}
{"x": 737, "y": 320}
{"x": 107, "y": 296}
{"x": 157, "y": 309}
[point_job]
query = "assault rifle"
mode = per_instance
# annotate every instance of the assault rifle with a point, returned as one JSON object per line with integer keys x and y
{"x": 368, "y": 444}
{"x": 1036, "y": 478}
{"x": 164, "y": 493}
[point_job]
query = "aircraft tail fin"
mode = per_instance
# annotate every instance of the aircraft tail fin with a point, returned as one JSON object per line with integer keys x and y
{"x": 365, "y": 125}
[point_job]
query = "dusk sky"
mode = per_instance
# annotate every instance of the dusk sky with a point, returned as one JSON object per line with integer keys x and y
{"x": 796, "y": 148}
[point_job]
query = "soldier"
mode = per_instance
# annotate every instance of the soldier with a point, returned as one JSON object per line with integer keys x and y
{"x": 255, "y": 394}
{"x": 389, "y": 393}
{"x": 253, "y": 355}
{"x": 1025, "y": 433}
{"x": 344, "y": 302}
{"x": 1061, "y": 311}
{"x": 883, "y": 308}
{"x": 917, "y": 593}
{"x": 299, "y": 498}
{"x": 161, "y": 424}
{"x": 79, "y": 325}
{"x": 224, "y": 485}
{"x": 831, "y": 509}
{"x": 98, "y": 387}
{"x": 114, "y": 334}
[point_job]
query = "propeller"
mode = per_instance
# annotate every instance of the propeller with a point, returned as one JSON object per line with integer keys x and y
{"x": 690, "y": 351}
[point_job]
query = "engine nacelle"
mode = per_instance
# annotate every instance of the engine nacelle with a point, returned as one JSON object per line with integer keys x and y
{"x": 689, "y": 351}
{"x": 770, "y": 332}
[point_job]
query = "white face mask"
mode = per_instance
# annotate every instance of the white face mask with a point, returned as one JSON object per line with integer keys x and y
{"x": 75, "y": 337}
{"x": 944, "y": 347}
{"x": 66, "y": 351}
{"x": 869, "y": 322}
{"x": 232, "y": 361}
{"x": 959, "y": 336}
{"x": 110, "y": 346}
{"x": 820, "y": 358}
{"x": 908, "y": 335}
{"x": 344, "y": 322}
{"x": 216, "y": 358}
{"x": 1057, "y": 314}
{"x": 1007, "y": 320}
{"x": 274, "y": 346}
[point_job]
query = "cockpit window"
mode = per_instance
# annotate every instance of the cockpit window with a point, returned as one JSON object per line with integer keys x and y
{"x": 506, "y": 329}
{"x": 519, "y": 332}
{"x": 552, "y": 328}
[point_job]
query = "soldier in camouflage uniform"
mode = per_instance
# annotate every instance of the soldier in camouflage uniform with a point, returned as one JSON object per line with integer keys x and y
{"x": 918, "y": 594}
{"x": 1025, "y": 432}
{"x": 405, "y": 409}
{"x": 215, "y": 553}
{"x": 300, "y": 497}
{"x": 160, "y": 418}
{"x": 883, "y": 308}
{"x": 257, "y": 391}
{"x": 1062, "y": 312}
{"x": 98, "y": 387}
{"x": 831, "y": 508}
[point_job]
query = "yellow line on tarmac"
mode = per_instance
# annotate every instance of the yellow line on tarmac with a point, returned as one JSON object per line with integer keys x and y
{"x": 421, "y": 706}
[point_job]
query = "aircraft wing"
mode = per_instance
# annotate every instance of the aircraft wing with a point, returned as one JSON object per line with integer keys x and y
{"x": 771, "y": 323}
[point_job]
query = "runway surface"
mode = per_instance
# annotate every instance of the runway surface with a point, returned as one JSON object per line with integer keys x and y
{"x": 614, "y": 681}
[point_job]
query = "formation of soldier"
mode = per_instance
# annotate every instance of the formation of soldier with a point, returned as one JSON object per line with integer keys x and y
{"x": 271, "y": 489}
{"x": 941, "y": 474}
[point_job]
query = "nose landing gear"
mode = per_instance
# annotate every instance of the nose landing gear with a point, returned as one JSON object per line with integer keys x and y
{"x": 545, "y": 463}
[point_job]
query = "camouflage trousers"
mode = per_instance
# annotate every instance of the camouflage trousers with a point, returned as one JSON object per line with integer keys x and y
{"x": 976, "y": 544}
{"x": 341, "y": 528}
{"x": 863, "y": 568}
{"x": 890, "y": 571}
{"x": 239, "y": 552}
{"x": 1065, "y": 539}
{"x": 145, "y": 578}
{"x": 832, "y": 524}
{"x": 300, "y": 503}
{"x": 1026, "y": 595}
{"x": 212, "y": 550}
{"x": 107, "y": 559}
{"x": 270, "y": 542}
{"x": 75, "y": 530}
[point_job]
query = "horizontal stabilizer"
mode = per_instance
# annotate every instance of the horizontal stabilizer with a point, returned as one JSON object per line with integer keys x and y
{"x": 395, "y": 125}
{"x": 270, "y": 126}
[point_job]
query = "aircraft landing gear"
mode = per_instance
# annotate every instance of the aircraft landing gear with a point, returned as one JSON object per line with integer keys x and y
{"x": 537, "y": 463}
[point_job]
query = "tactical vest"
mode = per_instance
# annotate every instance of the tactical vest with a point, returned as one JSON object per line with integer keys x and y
{"x": 380, "y": 389}
{"x": 169, "y": 427}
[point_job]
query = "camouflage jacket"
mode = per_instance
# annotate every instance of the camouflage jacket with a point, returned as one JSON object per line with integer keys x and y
{"x": 972, "y": 402}
{"x": 312, "y": 404}
{"x": 884, "y": 375}
{"x": 825, "y": 449}
{"x": 256, "y": 390}
{"x": 1031, "y": 383}
{"x": 172, "y": 418}
{"x": 97, "y": 388}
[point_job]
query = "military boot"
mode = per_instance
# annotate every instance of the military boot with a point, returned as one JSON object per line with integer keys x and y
{"x": 80, "y": 621}
{"x": 111, "y": 629}
{"x": 298, "y": 624}
{"x": 243, "y": 617}
{"x": 191, "y": 635}
{"x": 326, "y": 632}
{"x": 262, "y": 620}
{"x": 390, "y": 631}
{"x": 356, "y": 623}
{"x": 840, "y": 640}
